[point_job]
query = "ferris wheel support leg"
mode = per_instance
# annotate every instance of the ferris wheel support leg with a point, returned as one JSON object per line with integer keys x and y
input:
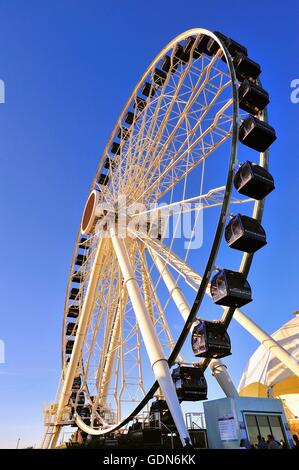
{"x": 77, "y": 348}
{"x": 217, "y": 367}
{"x": 54, "y": 440}
{"x": 219, "y": 371}
{"x": 267, "y": 341}
{"x": 155, "y": 352}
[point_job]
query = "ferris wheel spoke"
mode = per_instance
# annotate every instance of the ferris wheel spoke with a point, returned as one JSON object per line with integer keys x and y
{"x": 112, "y": 342}
{"x": 189, "y": 134}
{"x": 179, "y": 158}
{"x": 213, "y": 198}
{"x": 161, "y": 160}
{"x": 160, "y": 124}
{"x": 193, "y": 96}
{"x": 150, "y": 130}
{"x": 113, "y": 345}
{"x": 156, "y": 128}
{"x": 105, "y": 288}
{"x": 90, "y": 347}
{"x": 173, "y": 260}
{"x": 108, "y": 350}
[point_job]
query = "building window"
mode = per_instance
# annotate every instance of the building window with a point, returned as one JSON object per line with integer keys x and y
{"x": 261, "y": 424}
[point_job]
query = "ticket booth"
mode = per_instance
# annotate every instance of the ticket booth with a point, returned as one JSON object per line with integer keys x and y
{"x": 228, "y": 420}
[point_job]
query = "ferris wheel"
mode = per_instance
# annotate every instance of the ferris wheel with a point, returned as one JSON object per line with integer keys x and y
{"x": 171, "y": 223}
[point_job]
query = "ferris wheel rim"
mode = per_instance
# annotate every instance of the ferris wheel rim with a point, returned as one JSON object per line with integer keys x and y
{"x": 226, "y": 200}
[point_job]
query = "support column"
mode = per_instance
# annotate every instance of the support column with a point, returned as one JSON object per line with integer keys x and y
{"x": 266, "y": 340}
{"x": 155, "y": 352}
{"x": 77, "y": 348}
{"x": 219, "y": 371}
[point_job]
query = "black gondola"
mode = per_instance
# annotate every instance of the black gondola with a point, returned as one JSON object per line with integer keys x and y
{"x": 74, "y": 292}
{"x": 166, "y": 64}
{"x": 85, "y": 413}
{"x": 159, "y": 411}
{"x": 115, "y": 148}
{"x": 188, "y": 48}
{"x": 129, "y": 117}
{"x": 80, "y": 259}
{"x": 252, "y": 98}
{"x": 77, "y": 277}
{"x": 103, "y": 179}
{"x": 123, "y": 133}
{"x": 213, "y": 46}
{"x": 246, "y": 68}
{"x": 148, "y": 89}
{"x": 139, "y": 103}
{"x": 80, "y": 398}
{"x": 109, "y": 164}
{"x": 210, "y": 340}
{"x": 71, "y": 329}
{"x": 256, "y": 134}
{"x": 69, "y": 346}
{"x": 73, "y": 311}
{"x": 180, "y": 55}
{"x": 190, "y": 383}
{"x": 82, "y": 243}
{"x": 230, "y": 289}
{"x": 253, "y": 181}
{"x": 159, "y": 77}
{"x": 76, "y": 383}
{"x": 202, "y": 43}
{"x": 245, "y": 234}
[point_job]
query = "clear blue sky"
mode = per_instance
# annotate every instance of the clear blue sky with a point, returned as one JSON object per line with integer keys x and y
{"x": 69, "y": 67}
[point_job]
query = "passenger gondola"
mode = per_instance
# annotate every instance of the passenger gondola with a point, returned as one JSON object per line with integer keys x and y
{"x": 253, "y": 181}
{"x": 210, "y": 340}
{"x": 190, "y": 383}
{"x": 245, "y": 234}
{"x": 230, "y": 289}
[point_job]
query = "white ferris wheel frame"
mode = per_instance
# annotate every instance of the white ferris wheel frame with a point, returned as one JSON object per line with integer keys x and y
{"x": 160, "y": 364}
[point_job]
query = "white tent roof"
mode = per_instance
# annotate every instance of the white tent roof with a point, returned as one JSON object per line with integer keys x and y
{"x": 266, "y": 369}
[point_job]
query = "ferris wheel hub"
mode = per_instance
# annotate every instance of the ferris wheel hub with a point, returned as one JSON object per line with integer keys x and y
{"x": 93, "y": 211}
